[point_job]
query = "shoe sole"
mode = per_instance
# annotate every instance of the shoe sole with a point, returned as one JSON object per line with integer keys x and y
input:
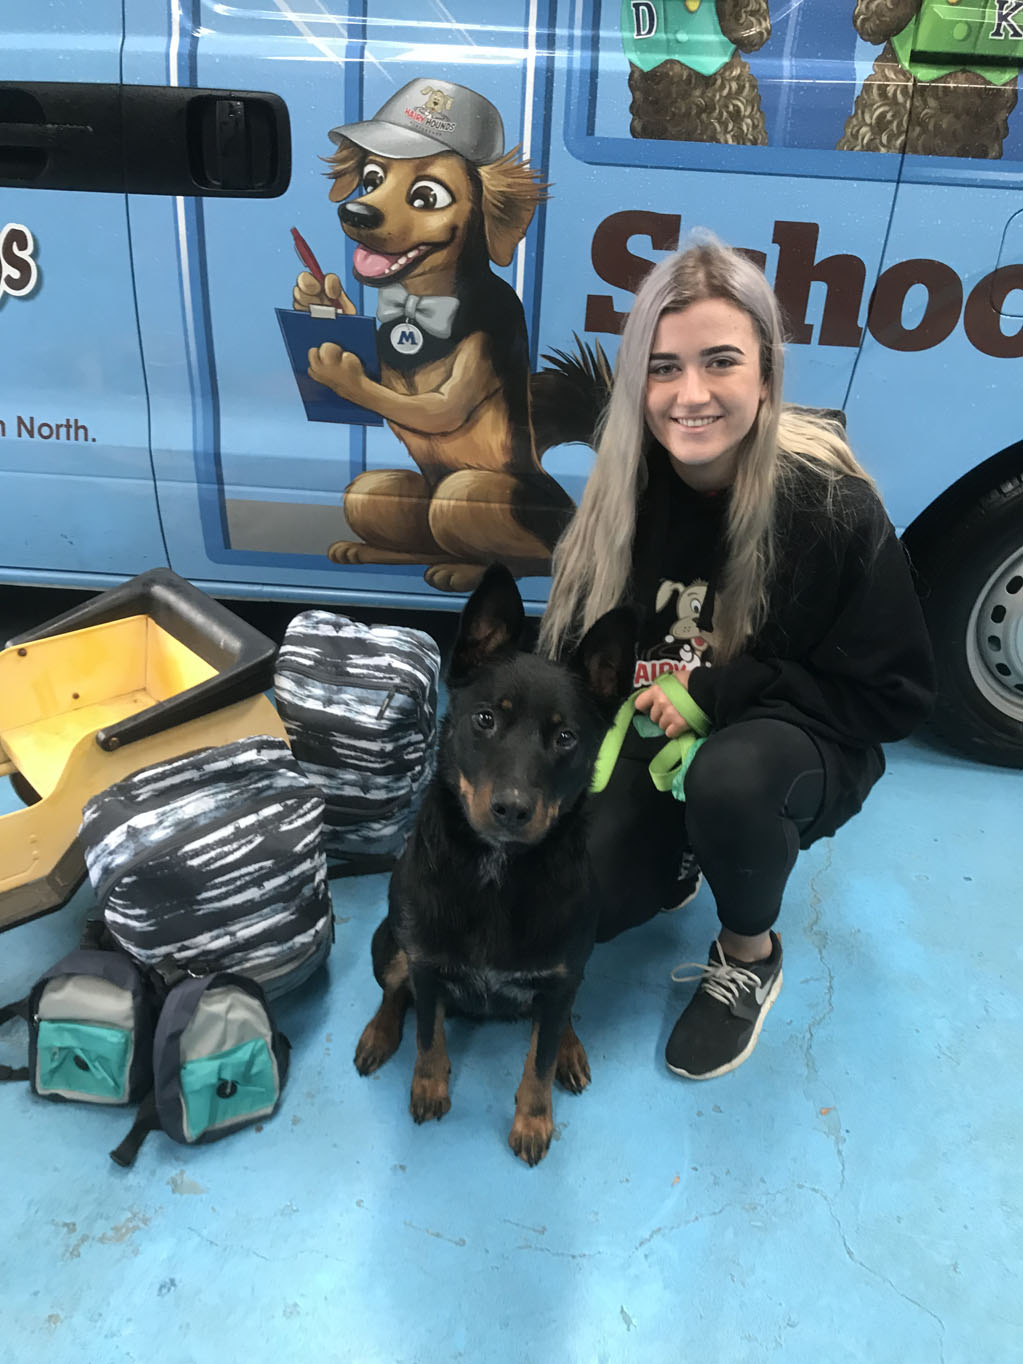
{"x": 737, "y": 1060}
{"x": 670, "y": 909}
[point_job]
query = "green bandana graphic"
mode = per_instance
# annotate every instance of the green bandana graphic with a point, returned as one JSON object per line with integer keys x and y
{"x": 961, "y": 31}
{"x": 687, "y": 30}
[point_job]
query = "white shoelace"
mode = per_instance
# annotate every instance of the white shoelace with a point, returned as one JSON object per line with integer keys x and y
{"x": 723, "y": 981}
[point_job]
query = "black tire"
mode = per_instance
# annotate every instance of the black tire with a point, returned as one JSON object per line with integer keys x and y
{"x": 971, "y": 583}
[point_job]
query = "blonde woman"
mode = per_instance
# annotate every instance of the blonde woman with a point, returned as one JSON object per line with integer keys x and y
{"x": 771, "y": 591}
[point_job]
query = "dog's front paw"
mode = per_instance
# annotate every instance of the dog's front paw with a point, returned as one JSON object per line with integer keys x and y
{"x": 377, "y": 1044}
{"x": 349, "y": 552}
{"x": 455, "y": 577}
{"x": 530, "y": 1136}
{"x": 430, "y": 1097}
{"x": 339, "y": 370}
{"x": 573, "y": 1069}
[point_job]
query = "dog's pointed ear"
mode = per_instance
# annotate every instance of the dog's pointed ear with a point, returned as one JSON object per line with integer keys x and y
{"x": 492, "y": 624}
{"x": 606, "y": 658}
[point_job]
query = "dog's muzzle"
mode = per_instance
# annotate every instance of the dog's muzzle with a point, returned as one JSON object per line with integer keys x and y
{"x": 511, "y": 811}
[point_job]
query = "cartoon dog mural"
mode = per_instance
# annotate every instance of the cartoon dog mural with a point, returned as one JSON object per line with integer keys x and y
{"x": 956, "y": 106}
{"x": 428, "y": 194}
{"x": 687, "y": 79}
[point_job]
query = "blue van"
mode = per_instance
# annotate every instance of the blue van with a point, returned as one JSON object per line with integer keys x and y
{"x": 217, "y": 356}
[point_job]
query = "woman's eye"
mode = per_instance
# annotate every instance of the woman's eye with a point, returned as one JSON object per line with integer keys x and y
{"x": 429, "y": 194}
{"x": 565, "y": 740}
{"x": 483, "y": 719}
{"x": 372, "y": 178}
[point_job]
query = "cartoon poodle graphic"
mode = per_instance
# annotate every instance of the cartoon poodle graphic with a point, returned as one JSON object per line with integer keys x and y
{"x": 687, "y": 79}
{"x": 945, "y": 82}
{"x": 430, "y": 197}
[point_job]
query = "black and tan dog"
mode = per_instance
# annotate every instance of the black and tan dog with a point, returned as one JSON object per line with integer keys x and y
{"x": 430, "y": 198}
{"x": 490, "y": 912}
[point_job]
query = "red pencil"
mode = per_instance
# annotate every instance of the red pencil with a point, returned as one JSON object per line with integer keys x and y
{"x": 306, "y": 256}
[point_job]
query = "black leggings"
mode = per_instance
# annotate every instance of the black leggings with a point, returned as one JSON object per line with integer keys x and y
{"x": 753, "y": 789}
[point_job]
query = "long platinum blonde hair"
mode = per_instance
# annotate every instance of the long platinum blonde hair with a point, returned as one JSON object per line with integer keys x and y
{"x": 593, "y": 559}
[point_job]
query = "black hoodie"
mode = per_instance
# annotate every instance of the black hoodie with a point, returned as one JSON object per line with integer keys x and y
{"x": 843, "y": 653}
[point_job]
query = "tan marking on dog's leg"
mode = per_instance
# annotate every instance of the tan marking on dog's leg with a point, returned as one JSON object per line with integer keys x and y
{"x": 572, "y": 1069}
{"x": 382, "y": 1034}
{"x": 430, "y": 1092}
{"x": 533, "y": 1127}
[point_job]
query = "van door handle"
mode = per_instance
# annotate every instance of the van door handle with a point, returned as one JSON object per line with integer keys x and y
{"x": 144, "y": 139}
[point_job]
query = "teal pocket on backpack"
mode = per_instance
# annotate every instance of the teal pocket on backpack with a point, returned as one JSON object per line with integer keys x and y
{"x": 84, "y": 1060}
{"x": 230, "y": 1086}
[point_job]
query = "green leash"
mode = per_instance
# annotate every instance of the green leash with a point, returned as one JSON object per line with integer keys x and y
{"x": 670, "y": 764}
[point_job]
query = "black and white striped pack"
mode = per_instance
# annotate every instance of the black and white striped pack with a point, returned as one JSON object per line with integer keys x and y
{"x": 214, "y": 861}
{"x": 359, "y": 703}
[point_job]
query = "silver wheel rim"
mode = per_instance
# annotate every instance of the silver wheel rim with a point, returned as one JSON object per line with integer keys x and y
{"x": 994, "y": 638}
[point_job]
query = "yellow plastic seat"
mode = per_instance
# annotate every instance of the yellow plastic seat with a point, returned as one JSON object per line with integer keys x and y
{"x": 80, "y": 708}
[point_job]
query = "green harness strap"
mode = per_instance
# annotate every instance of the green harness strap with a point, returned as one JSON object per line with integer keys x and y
{"x": 670, "y": 764}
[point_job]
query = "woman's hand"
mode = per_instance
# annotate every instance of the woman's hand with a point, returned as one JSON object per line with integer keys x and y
{"x": 654, "y": 702}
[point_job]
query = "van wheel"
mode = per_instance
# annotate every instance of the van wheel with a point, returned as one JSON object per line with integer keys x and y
{"x": 971, "y": 582}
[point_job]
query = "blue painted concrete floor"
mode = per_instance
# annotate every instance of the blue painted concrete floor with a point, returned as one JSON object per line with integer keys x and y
{"x": 851, "y": 1193}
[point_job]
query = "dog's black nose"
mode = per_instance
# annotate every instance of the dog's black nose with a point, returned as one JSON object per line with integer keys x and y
{"x": 358, "y": 214}
{"x": 511, "y": 809}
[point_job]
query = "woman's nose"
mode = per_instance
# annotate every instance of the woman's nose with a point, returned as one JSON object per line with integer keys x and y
{"x": 691, "y": 389}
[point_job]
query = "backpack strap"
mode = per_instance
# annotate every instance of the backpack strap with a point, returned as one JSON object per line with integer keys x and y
{"x": 19, "y": 1009}
{"x": 146, "y": 1121}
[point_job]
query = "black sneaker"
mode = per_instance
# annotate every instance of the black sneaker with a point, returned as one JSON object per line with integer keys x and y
{"x": 687, "y": 887}
{"x": 720, "y": 1025}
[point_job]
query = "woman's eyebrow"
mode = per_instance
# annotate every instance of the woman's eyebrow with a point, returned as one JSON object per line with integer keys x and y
{"x": 707, "y": 352}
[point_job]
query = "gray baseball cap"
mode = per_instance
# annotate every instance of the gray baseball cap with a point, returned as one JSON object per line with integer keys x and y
{"x": 428, "y": 116}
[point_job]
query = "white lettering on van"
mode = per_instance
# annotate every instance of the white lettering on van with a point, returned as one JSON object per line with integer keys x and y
{"x": 644, "y": 19}
{"x": 18, "y": 272}
{"x": 1005, "y": 20}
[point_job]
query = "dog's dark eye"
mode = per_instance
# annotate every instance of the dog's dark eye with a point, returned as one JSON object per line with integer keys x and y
{"x": 565, "y": 741}
{"x": 429, "y": 194}
{"x": 483, "y": 719}
{"x": 372, "y": 177}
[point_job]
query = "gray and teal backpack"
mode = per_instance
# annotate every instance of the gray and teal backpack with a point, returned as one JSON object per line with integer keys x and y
{"x": 201, "y": 1056}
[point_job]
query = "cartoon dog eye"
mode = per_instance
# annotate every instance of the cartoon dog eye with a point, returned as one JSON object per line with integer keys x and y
{"x": 695, "y": 606}
{"x": 430, "y": 194}
{"x": 373, "y": 177}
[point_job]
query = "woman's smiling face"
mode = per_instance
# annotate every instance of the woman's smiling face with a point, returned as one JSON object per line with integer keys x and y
{"x": 704, "y": 389}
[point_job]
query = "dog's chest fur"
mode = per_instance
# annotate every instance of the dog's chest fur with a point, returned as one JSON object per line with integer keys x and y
{"x": 485, "y": 944}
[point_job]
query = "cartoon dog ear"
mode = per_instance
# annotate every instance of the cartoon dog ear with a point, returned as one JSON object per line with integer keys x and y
{"x": 345, "y": 169}
{"x": 747, "y": 23}
{"x": 511, "y": 192}
{"x": 606, "y": 658}
{"x": 665, "y": 593}
{"x": 491, "y": 625}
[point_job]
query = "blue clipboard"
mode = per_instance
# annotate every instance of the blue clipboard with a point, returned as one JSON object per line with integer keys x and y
{"x": 357, "y": 334}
